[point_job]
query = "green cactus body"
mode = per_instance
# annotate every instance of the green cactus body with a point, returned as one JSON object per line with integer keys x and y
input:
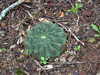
{"x": 45, "y": 40}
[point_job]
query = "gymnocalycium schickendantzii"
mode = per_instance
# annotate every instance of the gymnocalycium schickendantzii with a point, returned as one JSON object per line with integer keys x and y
{"x": 46, "y": 40}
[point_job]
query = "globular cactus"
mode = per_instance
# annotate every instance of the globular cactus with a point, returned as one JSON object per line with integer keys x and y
{"x": 45, "y": 40}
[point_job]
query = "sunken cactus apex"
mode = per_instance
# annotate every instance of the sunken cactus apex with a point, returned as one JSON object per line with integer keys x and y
{"x": 45, "y": 40}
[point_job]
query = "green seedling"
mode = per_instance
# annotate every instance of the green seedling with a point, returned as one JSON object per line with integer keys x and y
{"x": 78, "y": 48}
{"x": 96, "y": 29}
{"x": 19, "y": 72}
{"x": 44, "y": 60}
{"x": 3, "y": 49}
{"x": 75, "y": 9}
{"x": 91, "y": 39}
{"x": 32, "y": 15}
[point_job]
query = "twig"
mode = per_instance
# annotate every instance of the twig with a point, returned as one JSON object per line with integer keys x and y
{"x": 88, "y": 69}
{"x": 72, "y": 63}
{"x": 27, "y": 6}
{"x": 39, "y": 65}
{"x": 57, "y": 66}
{"x": 26, "y": 72}
{"x": 76, "y": 37}
{"x": 68, "y": 30}
{"x": 89, "y": 1}
{"x": 71, "y": 3}
{"x": 3, "y": 13}
{"x": 31, "y": 17}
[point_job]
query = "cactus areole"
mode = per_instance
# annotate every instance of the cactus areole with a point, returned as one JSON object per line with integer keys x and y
{"x": 45, "y": 40}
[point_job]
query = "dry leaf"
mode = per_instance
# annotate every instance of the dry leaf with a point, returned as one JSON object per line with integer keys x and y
{"x": 61, "y": 14}
{"x": 21, "y": 56}
{"x": 43, "y": 20}
{"x": 4, "y": 65}
{"x": 88, "y": 13}
{"x": 63, "y": 59}
{"x": 80, "y": 73}
{"x": 75, "y": 28}
{"x": 20, "y": 40}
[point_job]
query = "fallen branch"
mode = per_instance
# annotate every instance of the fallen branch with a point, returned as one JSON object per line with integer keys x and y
{"x": 3, "y": 13}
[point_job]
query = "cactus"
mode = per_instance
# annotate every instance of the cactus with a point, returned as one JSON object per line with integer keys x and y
{"x": 46, "y": 40}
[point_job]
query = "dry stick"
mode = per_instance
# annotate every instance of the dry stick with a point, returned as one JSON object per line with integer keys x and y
{"x": 57, "y": 66}
{"x": 31, "y": 17}
{"x": 39, "y": 65}
{"x": 68, "y": 30}
{"x": 71, "y": 3}
{"x": 3, "y": 13}
{"x": 88, "y": 69}
{"x": 26, "y": 72}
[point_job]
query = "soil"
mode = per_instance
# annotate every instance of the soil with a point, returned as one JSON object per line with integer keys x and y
{"x": 16, "y": 23}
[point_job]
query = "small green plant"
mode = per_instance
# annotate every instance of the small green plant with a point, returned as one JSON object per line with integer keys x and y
{"x": 32, "y": 15}
{"x": 19, "y": 72}
{"x": 96, "y": 29}
{"x": 91, "y": 39}
{"x": 74, "y": 10}
{"x": 3, "y": 49}
{"x": 44, "y": 60}
{"x": 78, "y": 48}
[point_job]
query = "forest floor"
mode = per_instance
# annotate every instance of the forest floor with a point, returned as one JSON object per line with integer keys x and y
{"x": 16, "y": 23}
